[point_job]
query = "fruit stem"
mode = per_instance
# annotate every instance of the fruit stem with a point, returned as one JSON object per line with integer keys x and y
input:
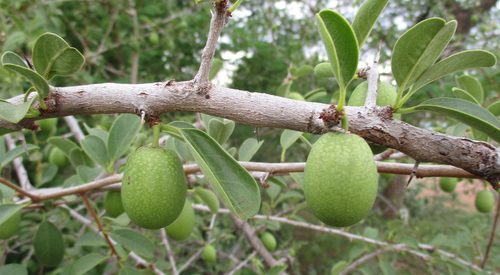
{"x": 156, "y": 135}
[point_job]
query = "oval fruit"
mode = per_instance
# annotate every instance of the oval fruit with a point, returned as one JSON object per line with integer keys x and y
{"x": 154, "y": 38}
{"x": 113, "y": 203}
{"x": 269, "y": 241}
{"x": 447, "y": 184}
{"x": 209, "y": 254}
{"x": 10, "y": 227}
{"x": 49, "y": 244}
{"x": 484, "y": 201}
{"x": 209, "y": 198}
{"x": 57, "y": 157}
{"x": 46, "y": 125}
{"x": 153, "y": 187}
{"x": 340, "y": 179}
{"x": 182, "y": 227}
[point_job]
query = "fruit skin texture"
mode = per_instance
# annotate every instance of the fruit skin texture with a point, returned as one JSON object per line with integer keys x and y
{"x": 113, "y": 204}
{"x": 484, "y": 201}
{"x": 182, "y": 227}
{"x": 57, "y": 157}
{"x": 209, "y": 254}
{"x": 448, "y": 184}
{"x": 269, "y": 241}
{"x": 10, "y": 227}
{"x": 340, "y": 179}
{"x": 153, "y": 187}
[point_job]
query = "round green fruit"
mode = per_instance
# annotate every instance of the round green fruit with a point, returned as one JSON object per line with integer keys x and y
{"x": 57, "y": 157}
{"x": 340, "y": 179}
{"x": 154, "y": 38}
{"x": 153, "y": 187}
{"x": 46, "y": 125}
{"x": 269, "y": 241}
{"x": 10, "y": 227}
{"x": 447, "y": 184}
{"x": 182, "y": 227}
{"x": 484, "y": 201}
{"x": 209, "y": 254}
{"x": 296, "y": 96}
{"x": 113, "y": 203}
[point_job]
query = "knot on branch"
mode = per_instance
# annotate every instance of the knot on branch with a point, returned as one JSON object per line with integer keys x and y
{"x": 330, "y": 116}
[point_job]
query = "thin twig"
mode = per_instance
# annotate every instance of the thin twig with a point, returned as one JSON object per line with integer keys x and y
{"x": 169, "y": 251}
{"x": 371, "y": 94}
{"x": 363, "y": 259}
{"x": 195, "y": 256}
{"x": 492, "y": 235}
{"x": 22, "y": 175}
{"x": 34, "y": 198}
{"x": 242, "y": 264}
{"x": 74, "y": 127}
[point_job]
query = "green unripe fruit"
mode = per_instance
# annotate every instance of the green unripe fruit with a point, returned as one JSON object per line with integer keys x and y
{"x": 10, "y": 227}
{"x": 153, "y": 187}
{"x": 46, "y": 125}
{"x": 209, "y": 254}
{"x": 209, "y": 198}
{"x": 340, "y": 179}
{"x": 484, "y": 201}
{"x": 154, "y": 38}
{"x": 57, "y": 157}
{"x": 113, "y": 203}
{"x": 296, "y": 96}
{"x": 447, "y": 184}
{"x": 182, "y": 227}
{"x": 292, "y": 252}
{"x": 269, "y": 241}
{"x": 49, "y": 244}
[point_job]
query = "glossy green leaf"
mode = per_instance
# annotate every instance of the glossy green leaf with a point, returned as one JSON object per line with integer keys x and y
{"x": 206, "y": 120}
{"x": 48, "y": 174}
{"x": 96, "y": 150}
{"x": 217, "y": 65}
{"x": 339, "y": 267}
{"x": 220, "y": 131}
{"x": 87, "y": 262}
{"x": 7, "y": 210}
{"x": 88, "y": 174}
{"x": 126, "y": 270}
{"x": 230, "y": 181}
{"x": 366, "y": 18}
{"x": 464, "y": 111}
{"x": 134, "y": 241}
{"x": 248, "y": 149}
{"x": 418, "y": 48}
{"x": 315, "y": 94}
{"x": 284, "y": 89}
{"x": 14, "y": 62}
{"x": 122, "y": 134}
{"x": 454, "y": 63}
{"x": 15, "y": 113}
{"x": 16, "y": 152}
{"x": 90, "y": 239}
{"x": 341, "y": 45}
{"x": 13, "y": 269}
{"x": 303, "y": 71}
{"x": 462, "y": 94}
{"x": 53, "y": 56}
{"x": 494, "y": 108}
{"x": 323, "y": 70}
{"x": 472, "y": 86}
{"x": 49, "y": 244}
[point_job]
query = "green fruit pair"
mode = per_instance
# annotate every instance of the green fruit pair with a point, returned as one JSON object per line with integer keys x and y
{"x": 182, "y": 227}
{"x": 269, "y": 241}
{"x": 484, "y": 201}
{"x": 448, "y": 184}
{"x": 340, "y": 179}
{"x": 153, "y": 187}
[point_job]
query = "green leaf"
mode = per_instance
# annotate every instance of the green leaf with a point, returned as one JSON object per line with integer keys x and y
{"x": 49, "y": 244}
{"x": 48, "y": 174}
{"x": 70, "y": 149}
{"x": 472, "y": 86}
{"x": 122, "y": 134}
{"x": 87, "y": 262}
{"x": 230, "y": 181}
{"x": 78, "y": 157}
{"x": 418, "y": 48}
{"x": 16, "y": 152}
{"x": 248, "y": 149}
{"x": 4, "y": 131}
{"x": 126, "y": 270}
{"x": 13, "y": 269}
{"x": 409, "y": 241}
{"x": 339, "y": 267}
{"x": 53, "y": 56}
{"x": 88, "y": 174}
{"x": 220, "y": 131}
{"x": 97, "y": 132}
{"x": 356, "y": 251}
{"x": 284, "y": 89}
{"x": 454, "y": 63}
{"x": 287, "y": 139}
{"x": 386, "y": 267}
{"x": 96, "y": 150}
{"x": 206, "y": 120}
{"x": 278, "y": 269}
{"x": 462, "y": 94}
{"x": 366, "y": 18}
{"x": 370, "y": 232}
{"x": 14, "y": 62}
{"x": 494, "y": 108}
{"x": 464, "y": 111}
{"x": 8, "y": 210}
{"x": 278, "y": 181}
{"x": 90, "y": 239}
{"x": 341, "y": 45}
{"x": 122, "y": 220}
{"x": 323, "y": 70}
{"x": 298, "y": 177}
{"x": 182, "y": 149}
{"x": 288, "y": 195}
{"x": 303, "y": 71}
{"x": 15, "y": 113}
{"x": 209, "y": 198}
{"x": 315, "y": 94}
{"x": 273, "y": 190}
{"x": 134, "y": 241}
{"x": 216, "y": 67}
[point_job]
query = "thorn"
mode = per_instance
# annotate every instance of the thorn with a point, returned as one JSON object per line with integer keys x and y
{"x": 23, "y": 141}
{"x": 256, "y": 132}
{"x": 143, "y": 115}
{"x": 413, "y": 173}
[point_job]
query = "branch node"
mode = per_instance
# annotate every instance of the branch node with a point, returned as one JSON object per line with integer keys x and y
{"x": 331, "y": 116}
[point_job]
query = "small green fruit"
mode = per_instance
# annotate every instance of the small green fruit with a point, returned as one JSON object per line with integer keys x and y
{"x": 46, "y": 125}
{"x": 340, "y": 179}
{"x": 292, "y": 252}
{"x": 154, "y": 38}
{"x": 113, "y": 203}
{"x": 58, "y": 158}
{"x": 269, "y": 241}
{"x": 296, "y": 96}
{"x": 182, "y": 227}
{"x": 447, "y": 184}
{"x": 209, "y": 254}
{"x": 484, "y": 201}
{"x": 10, "y": 227}
{"x": 209, "y": 198}
{"x": 153, "y": 187}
